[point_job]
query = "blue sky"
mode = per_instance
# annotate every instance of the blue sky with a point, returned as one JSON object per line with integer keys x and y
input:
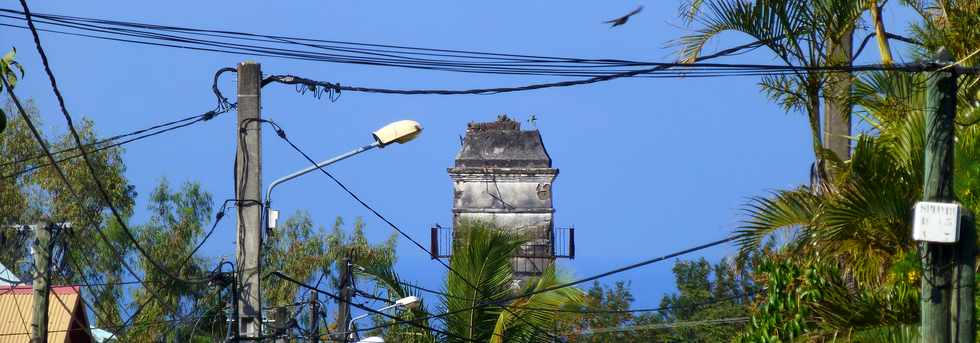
{"x": 648, "y": 166}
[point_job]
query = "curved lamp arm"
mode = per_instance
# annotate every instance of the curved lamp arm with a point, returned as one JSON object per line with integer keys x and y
{"x": 268, "y": 192}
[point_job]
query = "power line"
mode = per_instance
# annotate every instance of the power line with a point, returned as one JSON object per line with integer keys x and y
{"x": 734, "y": 320}
{"x": 214, "y": 46}
{"x": 735, "y": 70}
{"x": 98, "y": 182}
{"x": 341, "y": 52}
{"x": 111, "y": 327}
{"x": 579, "y": 281}
{"x": 579, "y": 311}
{"x": 657, "y": 309}
{"x": 35, "y": 271}
{"x": 413, "y": 322}
{"x": 217, "y": 219}
{"x": 96, "y": 145}
{"x": 78, "y": 142}
{"x": 378, "y": 54}
{"x": 282, "y": 134}
{"x": 60, "y": 172}
{"x": 298, "y": 40}
{"x": 100, "y": 319}
{"x": 200, "y": 117}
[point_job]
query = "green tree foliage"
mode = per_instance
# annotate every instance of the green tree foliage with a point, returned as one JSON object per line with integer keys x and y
{"x": 177, "y": 222}
{"x": 40, "y": 197}
{"x": 725, "y": 288}
{"x": 314, "y": 255}
{"x": 706, "y": 294}
{"x": 603, "y": 307}
{"x": 850, "y": 268}
{"x": 482, "y": 255}
{"x": 8, "y": 70}
{"x": 798, "y": 33}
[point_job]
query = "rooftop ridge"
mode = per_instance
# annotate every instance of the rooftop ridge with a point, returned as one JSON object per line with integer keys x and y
{"x": 29, "y": 289}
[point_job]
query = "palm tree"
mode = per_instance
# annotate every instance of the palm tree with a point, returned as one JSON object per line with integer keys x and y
{"x": 483, "y": 275}
{"x": 800, "y": 33}
{"x": 848, "y": 268}
{"x": 854, "y": 242}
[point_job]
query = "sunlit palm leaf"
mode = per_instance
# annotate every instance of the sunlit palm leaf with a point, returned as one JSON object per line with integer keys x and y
{"x": 785, "y": 210}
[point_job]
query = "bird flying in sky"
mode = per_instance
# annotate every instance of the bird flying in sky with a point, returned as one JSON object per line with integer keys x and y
{"x": 622, "y": 20}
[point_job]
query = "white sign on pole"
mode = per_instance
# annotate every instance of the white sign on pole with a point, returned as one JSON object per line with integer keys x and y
{"x": 936, "y": 222}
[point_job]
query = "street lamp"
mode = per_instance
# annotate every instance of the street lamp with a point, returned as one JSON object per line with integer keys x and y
{"x": 409, "y": 302}
{"x": 400, "y": 132}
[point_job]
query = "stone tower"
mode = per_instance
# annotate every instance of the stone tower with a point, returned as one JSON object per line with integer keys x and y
{"x": 503, "y": 175}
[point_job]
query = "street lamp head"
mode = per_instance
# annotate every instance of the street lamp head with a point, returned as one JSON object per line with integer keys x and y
{"x": 410, "y": 302}
{"x": 372, "y": 339}
{"x": 400, "y": 131}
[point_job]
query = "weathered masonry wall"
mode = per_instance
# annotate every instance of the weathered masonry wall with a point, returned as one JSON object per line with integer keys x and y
{"x": 503, "y": 175}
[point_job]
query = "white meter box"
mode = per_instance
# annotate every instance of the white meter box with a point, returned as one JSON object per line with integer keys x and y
{"x": 936, "y": 222}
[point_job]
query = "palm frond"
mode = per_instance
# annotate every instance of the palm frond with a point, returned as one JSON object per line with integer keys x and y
{"x": 536, "y": 310}
{"x": 481, "y": 257}
{"x": 784, "y": 210}
{"x": 769, "y": 21}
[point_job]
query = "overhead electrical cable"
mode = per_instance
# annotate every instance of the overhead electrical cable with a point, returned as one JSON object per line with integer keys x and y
{"x": 111, "y": 327}
{"x": 101, "y": 142}
{"x": 64, "y": 179}
{"x": 374, "y": 54}
{"x": 581, "y": 311}
{"x": 734, "y": 320}
{"x": 93, "y": 173}
{"x": 354, "y": 52}
{"x": 762, "y": 70}
{"x": 282, "y": 134}
{"x": 98, "y": 316}
{"x": 374, "y": 47}
{"x": 97, "y": 148}
{"x": 413, "y": 322}
{"x": 100, "y": 187}
{"x": 706, "y": 303}
{"x": 92, "y": 286}
{"x": 199, "y": 45}
{"x": 525, "y": 295}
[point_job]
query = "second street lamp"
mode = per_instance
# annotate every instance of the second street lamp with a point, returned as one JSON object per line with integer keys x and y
{"x": 410, "y": 302}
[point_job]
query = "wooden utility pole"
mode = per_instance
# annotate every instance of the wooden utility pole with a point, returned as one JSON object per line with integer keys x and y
{"x": 248, "y": 185}
{"x": 343, "y": 302}
{"x": 940, "y": 113}
{"x": 42, "y": 283}
{"x": 314, "y": 318}
{"x": 964, "y": 281}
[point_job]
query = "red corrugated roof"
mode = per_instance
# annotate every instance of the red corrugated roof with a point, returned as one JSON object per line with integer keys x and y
{"x": 66, "y": 316}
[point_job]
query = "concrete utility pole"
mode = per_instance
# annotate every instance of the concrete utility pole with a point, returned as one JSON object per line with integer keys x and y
{"x": 248, "y": 190}
{"x": 938, "y": 258}
{"x": 42, "y": 283}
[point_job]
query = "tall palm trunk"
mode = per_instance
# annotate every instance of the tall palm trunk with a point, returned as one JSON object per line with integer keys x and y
{"x": 818, "y": 173}
{"x": 881, "y": 36}
{"x": 837, "y": 107}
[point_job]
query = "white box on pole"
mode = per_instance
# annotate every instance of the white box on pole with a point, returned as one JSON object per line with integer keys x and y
{"x": 936, "y": 222}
